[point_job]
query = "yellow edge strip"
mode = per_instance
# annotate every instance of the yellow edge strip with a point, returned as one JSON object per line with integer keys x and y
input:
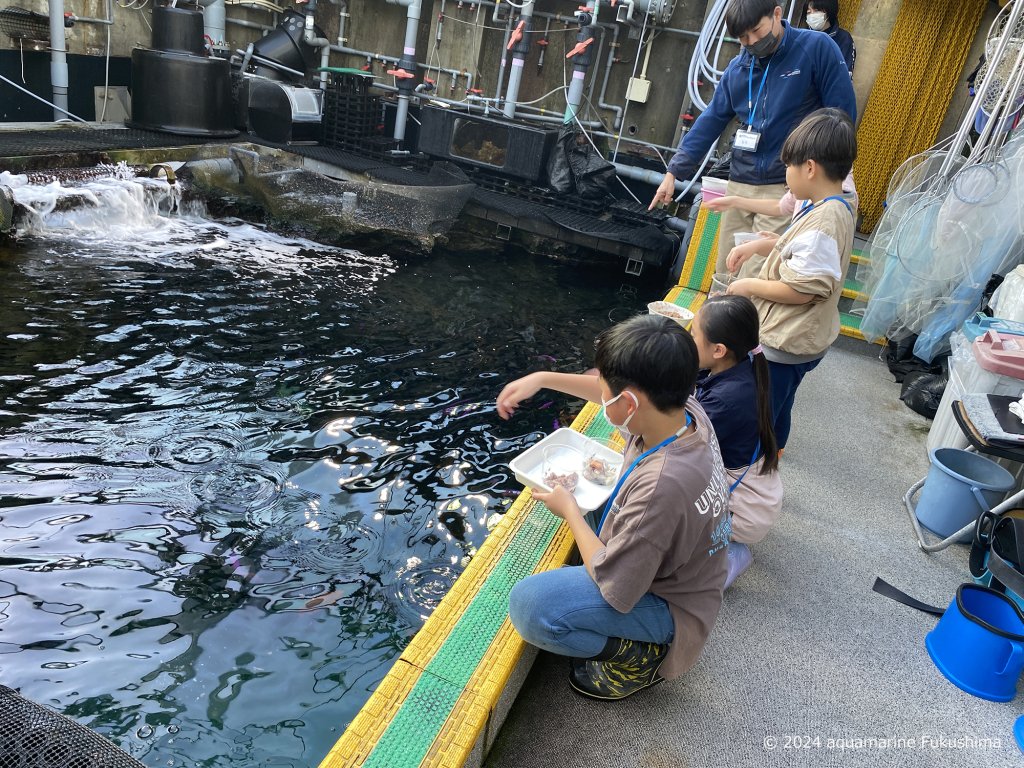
{"x": 470, "y": 714}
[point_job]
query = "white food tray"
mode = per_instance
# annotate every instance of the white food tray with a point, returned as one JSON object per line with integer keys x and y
{"x": 528, "y": 466}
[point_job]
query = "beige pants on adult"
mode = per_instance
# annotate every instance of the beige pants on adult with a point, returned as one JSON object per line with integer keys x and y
{"x": 735, "y": 220}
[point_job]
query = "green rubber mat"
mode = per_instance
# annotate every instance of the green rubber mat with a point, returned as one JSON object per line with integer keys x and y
{"x": 846, "y": 320}
{"x": 415, "y": 726}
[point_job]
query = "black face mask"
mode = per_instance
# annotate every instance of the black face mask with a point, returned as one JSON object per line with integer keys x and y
{"x": 765, "y": 46}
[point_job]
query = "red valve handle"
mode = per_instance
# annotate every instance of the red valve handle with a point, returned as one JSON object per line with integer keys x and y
{"x": 580, "y": 48}
{"x": 401, "y": 73}
{"x": 516, "y": 36}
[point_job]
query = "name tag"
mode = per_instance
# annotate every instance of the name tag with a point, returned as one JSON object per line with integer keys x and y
{"x": 747, "y": 140}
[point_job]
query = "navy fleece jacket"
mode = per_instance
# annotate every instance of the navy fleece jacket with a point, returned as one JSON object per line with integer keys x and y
{"x": 806, "y": 72}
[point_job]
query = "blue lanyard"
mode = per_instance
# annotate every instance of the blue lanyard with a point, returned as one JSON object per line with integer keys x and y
{"x": 751, "y": 102}
{"x": 753, "y": 458}
{"x": 641, "y": 457}
{"x": 809, "y": 205}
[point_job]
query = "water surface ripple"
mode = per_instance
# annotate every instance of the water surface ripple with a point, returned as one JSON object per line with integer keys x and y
{"x": 237, "y": 470}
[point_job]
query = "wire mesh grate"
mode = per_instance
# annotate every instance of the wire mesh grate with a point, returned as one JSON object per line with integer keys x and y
{"x": 32, "y": 736}
{"x": 23, "y": 24}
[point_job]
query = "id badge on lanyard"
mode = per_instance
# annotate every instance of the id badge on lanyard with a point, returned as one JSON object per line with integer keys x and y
{"x": 746, "y": 139}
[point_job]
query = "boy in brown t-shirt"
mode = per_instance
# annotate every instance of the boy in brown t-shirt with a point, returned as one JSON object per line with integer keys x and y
{"x": 643, "y": 603}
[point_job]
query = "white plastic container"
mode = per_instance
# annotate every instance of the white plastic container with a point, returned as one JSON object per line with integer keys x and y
{"x": 529, "y": 465}
{"x": 712, "y": 188}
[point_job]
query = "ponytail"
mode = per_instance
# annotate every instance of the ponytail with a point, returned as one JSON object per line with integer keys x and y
{"x": 732, "y": 320}
{"x": 765, "y": 421}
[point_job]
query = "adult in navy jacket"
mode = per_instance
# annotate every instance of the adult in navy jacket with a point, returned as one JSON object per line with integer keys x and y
{"x": 782, "y": 74}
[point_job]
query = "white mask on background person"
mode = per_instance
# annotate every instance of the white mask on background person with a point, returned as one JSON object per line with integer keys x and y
{"x": 621, "y": 427}
{"x": 817, "y": 20}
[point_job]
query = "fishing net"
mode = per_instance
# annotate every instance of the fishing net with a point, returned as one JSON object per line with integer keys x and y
{"x": 32, "y": 736}
{"x": 953, "y": 215}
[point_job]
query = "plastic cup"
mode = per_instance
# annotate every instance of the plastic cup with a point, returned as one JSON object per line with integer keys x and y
{"x": 745, "y": 237}
{"x": 720, "y": 283}
{"x": 599, "y": 467}
{"x": 711, "y": 188}
{"x": 561, "y": 465}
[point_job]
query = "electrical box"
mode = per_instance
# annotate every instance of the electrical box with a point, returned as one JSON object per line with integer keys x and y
{"x": 637, "y": 89}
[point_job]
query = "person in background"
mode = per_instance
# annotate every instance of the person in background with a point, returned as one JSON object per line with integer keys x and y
{"x": 734, "y": 389}
{"x": 798, "y": 287}
{"x": 782, "y": 74}
{"x": 823, "y": 16}
{"x": 643, "y": 603}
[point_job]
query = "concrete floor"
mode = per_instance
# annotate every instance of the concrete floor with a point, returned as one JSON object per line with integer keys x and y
{"x": 806, "y": 666}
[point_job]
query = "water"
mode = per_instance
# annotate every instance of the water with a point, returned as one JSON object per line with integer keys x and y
{"x": 204, "y": 427}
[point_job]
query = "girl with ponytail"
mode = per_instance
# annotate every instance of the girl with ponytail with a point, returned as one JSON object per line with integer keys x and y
{"x": 734, "y": 389}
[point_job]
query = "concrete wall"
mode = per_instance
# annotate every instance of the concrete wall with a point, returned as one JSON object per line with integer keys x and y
{"x": 471, "y": 40}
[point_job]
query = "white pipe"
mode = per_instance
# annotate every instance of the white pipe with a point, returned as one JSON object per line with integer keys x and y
{"x": 651, "y": 177}
{"x": 412, "y": 22}
{"x": 617, "y": 123}
{"x": 215, "y": 22}
{"x": 58, "y": 59}
{"x": 309, "y": 37}
{"x": 342, "y": 15}
{"x": 515, "y": 75}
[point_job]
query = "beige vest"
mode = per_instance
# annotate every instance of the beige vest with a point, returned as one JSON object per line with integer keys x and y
{"x": 806, "y": 329}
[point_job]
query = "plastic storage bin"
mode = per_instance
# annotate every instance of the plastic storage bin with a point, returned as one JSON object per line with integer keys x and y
{"x": 967, "y": 374}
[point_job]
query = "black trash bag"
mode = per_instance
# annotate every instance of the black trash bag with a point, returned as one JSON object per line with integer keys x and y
{"x": 722, "y": 167}
{"x": 577, "y": 168}
{"x": 902, "y": 362}
{"x": 922, "y": 391}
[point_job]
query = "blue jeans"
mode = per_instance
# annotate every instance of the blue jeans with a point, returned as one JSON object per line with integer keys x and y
{"x": 562, "y": 611}
{"x": 785, "y": 380}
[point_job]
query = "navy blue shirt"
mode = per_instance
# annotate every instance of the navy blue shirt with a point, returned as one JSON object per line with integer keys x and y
{"x": 845, "y": 42}
{"x": 730, "y": 400}
{"x": 806, "y": 72}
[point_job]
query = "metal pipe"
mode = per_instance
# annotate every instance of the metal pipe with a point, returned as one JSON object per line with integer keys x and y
{"x": 478, "y": 108}
{"x": 650, "y": 177}
{"x": 58, "y": 59}
{"x": 612, "y": 48}
{"x": 90, "y": 20}
{"x": 504, "y": 59}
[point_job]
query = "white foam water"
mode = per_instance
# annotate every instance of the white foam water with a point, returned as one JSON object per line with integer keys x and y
{"x": 109, "y": 203}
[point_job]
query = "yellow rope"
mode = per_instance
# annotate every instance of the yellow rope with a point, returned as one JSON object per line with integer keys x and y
{"x": 848, "y": 11}
{"x": 919, "y": 73}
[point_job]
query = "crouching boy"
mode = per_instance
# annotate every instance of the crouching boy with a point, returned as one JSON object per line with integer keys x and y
{"x": 643, "y": 603}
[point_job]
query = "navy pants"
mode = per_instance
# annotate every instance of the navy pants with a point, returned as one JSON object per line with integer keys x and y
{"x": 785, "y": 380}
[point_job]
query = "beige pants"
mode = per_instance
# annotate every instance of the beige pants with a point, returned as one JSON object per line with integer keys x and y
{"x": 735, "y": 220}
{"x": 755, "y": 504}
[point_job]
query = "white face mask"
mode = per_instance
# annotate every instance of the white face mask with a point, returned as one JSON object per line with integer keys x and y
{"x": 621, "y": 427}
{"x": 817, "y": 20}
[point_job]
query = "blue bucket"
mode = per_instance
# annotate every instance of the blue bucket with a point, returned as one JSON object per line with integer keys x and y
{"x": 978, "y": 644}
{"x": 960, "y": 486}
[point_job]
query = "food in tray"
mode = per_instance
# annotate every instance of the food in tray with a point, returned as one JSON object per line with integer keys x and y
{"x": 567, "y": 480}
{"x": 681, "y": 315}
{"x": 600, "y": 471}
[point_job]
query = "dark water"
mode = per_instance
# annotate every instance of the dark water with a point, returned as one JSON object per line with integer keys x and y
{"x": 205, "y": 426}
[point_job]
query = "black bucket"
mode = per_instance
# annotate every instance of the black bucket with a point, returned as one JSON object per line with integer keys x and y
{"x": 286, "y": 47}
{"x": 178, "y": 30}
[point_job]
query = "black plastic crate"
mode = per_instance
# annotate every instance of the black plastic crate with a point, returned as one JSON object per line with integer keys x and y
{"x": 505, "y": 147}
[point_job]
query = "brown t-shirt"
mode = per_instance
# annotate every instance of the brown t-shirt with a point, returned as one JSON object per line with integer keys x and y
{"x": 667, "y": 533}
